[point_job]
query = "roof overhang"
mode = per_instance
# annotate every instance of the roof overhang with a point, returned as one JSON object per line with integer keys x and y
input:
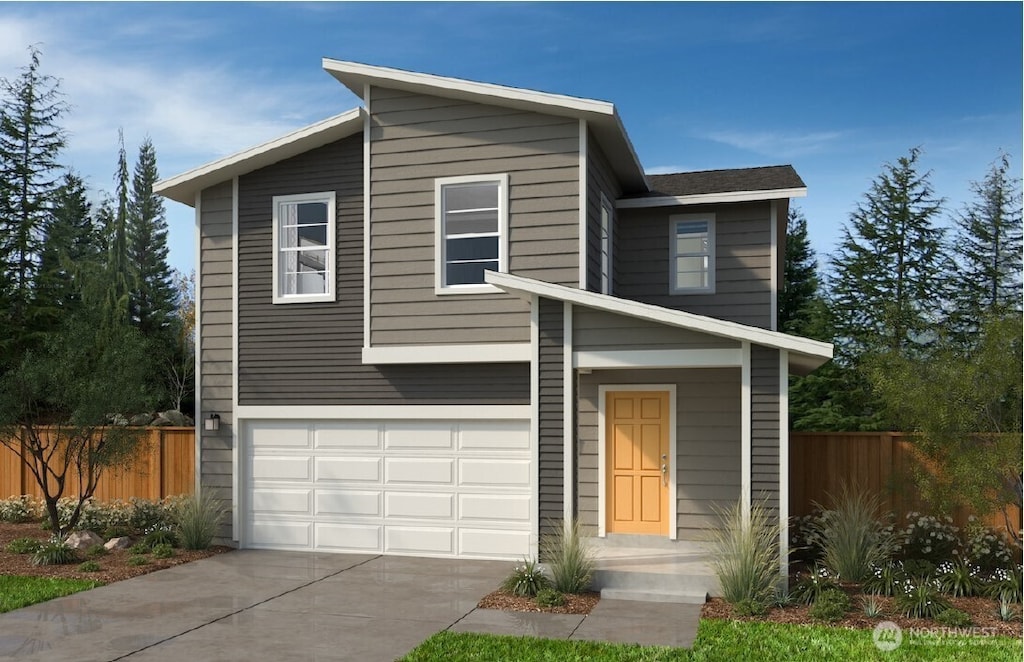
{"x": 805, "y": 355}
{"x": 710, "y": 198}
{"x": 601, "y": 116}
{"x": 184, "y": 187}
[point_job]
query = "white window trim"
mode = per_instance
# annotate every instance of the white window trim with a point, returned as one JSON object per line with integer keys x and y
{"x": 672, "y": 220}
{"x": 439, "y": 241}
{"x": 332, "y": 247}
{"x": 606, "y": 228}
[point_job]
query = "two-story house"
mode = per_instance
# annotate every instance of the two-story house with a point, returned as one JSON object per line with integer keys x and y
{"x": 442, "y": 322}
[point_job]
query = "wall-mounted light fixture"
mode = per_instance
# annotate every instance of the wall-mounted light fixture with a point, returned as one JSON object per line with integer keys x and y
{"x": 212, "y": 423}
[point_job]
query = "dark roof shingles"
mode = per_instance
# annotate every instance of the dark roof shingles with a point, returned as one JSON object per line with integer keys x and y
{"x": 767, "y": 178}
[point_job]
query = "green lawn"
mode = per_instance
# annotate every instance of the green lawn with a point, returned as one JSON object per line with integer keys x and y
{"x": 722, "y": 640}
{"x": 17, "y": 592}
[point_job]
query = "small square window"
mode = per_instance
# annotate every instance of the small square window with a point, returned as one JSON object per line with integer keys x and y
{"x": 692, "y": 254}
{"x": 472, "y": 231}
{"x": 304, "y": 247}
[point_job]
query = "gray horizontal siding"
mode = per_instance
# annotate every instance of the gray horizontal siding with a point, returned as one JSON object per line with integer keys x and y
{"x": 595, "y": 330}
{"x": 551, "y": 414}
{"x": 216, "y": 371}
{"x": 311, "y": 353}
{"x": 764, "y": 426}
{"x": 600, "y": 179}
{"x": 742, "y": 255}
{"x": 707, "y": 466}
{"x": 416, "y": 139}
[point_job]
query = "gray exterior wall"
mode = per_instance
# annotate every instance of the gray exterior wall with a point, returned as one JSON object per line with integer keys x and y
{"x": 764, "y": 426}
{"x": 600, "y": 179}
{"x": 214, "y": 326}
{"x": 551, "y": 413}
{"x": 742, "y": 255}
{"x": 595, "y": 330}
{"x": 707, "y": 466}
{"x": 311, "y": 353}
{"x": 416, "y": 139}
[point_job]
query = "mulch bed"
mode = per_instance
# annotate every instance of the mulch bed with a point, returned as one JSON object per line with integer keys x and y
{"x": 113, "y": 565}
{"x": 580, "y": 603}
{"x": 981, "y": 610}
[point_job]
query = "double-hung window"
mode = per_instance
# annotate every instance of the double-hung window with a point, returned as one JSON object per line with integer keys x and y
{"x": 304, "y": 247}
{"x": 471, "y": 231}
{"x": 692, "y": 254}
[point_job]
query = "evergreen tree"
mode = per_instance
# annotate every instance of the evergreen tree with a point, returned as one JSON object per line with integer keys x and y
{"x": 800, "y": 287}
{"x": 31, "y": 140}
{"x": 988, "y": 244}
{"x": 153, "y": 293}
{"x": 116, "y": 231}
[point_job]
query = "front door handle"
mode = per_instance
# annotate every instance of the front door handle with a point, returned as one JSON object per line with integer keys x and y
{"x": 664, "y": 470}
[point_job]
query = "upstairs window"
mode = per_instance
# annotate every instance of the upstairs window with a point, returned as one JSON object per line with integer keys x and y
{"x": 692, "y": 254}
{"x": 472, "y": 231}
{"x": 304, "y": 247}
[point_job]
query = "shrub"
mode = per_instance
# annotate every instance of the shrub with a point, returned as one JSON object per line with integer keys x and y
{"x": 832, "y": 605}
{"x": 20, "y": 509}
{"x": 162, "y": 551}
{"x": 927, "y": 537}
{"x": 145, "y": 516}
{"x": 871, "y": 606}
{"x": 919, "y": 568}
{"x": 959, "y": 578}
{"x": 748, "y": 607}
{"x": 953, "y": 618}
{"x": 804, "y": 538}
{"x": 986, "y": 548}
{"x": 89, "y": 566}
{"x": 886, "y": 579}
{"x": 811, "y": 585}
{"x": 23, "y": 546}
{"x": 196, "y": 520}
{"x": 1005, "y": 611}
{"x": 140, "y": 547}
{"x": 569, "y": 557}
{"x": 55, "y": 552}
{"x": 783, "y": 598}
{"x": 549, "y": 597}
{"x": 920, "y": 599}
{"x": 852, "y": 538}
{"x": 161, "y": 537}
{"x": 526, "y": 580}
{"x": 745, "y": 553}
{"x": 96, "y": 551}
{"x": 137, "y": 560}
{"x": 1005, "y": 584}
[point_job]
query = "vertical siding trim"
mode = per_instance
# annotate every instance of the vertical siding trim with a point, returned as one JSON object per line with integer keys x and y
{"x": 535, "y": 424}
{"x": 784, "y": 465}
{"x": 236, "y": 487}
{"x": 775, "y": 266}
{"x": 366, "y": 217}
{"x": 568, "y": 420}
{"x": 582, "y": 250}
{"x": 745, "y": 437}
{"x": 198, "y": 370}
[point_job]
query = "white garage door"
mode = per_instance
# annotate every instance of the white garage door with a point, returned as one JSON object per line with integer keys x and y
{"x": 429, "y": 488}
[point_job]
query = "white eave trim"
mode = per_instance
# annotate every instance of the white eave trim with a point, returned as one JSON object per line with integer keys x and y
{"x": 392, "y": 412}
{"x": 183, "y": 187}
{"x": 819, "y": 351}
{"x": 657, "y": 358}
{"x": 711, "y": 198}
{"x": 485, "y": 353}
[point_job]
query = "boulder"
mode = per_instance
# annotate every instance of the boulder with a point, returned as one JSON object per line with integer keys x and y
{"x": 83, "y": 540}
{"x": 140, "y": 419}
{"x": 160, "y": 421}
{"x": 176, "y": 418}
{"x": 123, "y": 542}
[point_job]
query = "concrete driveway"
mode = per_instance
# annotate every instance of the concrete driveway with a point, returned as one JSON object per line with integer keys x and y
{"x": 257, "y": 605}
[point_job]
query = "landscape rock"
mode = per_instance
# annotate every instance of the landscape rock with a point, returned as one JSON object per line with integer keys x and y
{"x": 123, "y": 542}
{"x": 176, "y": 418}
{"x": 140, "y": 419}
{"x": 83, "y": 540}
{"x": 160, "y": 421}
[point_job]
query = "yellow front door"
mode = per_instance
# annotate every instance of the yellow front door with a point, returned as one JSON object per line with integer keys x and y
{"x": 637, "y": 461}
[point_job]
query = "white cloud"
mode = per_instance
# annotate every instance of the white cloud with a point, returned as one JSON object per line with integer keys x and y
{"x": 777, "y": 143}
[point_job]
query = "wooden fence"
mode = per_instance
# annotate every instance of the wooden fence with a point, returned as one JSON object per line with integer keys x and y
{"x": 164, "y": 467}
{"x": 880, "y": 462}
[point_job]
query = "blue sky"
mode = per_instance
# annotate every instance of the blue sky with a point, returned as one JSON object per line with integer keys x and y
{"x": 836, "y": 89}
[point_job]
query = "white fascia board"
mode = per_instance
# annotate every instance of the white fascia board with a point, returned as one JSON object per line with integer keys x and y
{"x": 485, "y": 353}
{"x": 814, "y": 349}
{"x": 183, "y": 187}
{"x": 384, "y": 412}
{"x": 711, "y": 198}
{"x": 657, "y": 358}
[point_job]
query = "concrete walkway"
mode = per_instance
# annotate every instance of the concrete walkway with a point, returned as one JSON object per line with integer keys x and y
{"x": 259, "y": 605}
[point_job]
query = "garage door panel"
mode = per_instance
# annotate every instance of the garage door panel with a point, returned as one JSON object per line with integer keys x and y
{"x": 361, "y": 435}
{"x": 348, "y": 502}
{"x": 419, "y": 539}
{"x": 348, "y": 469}
{"x": 348, "y": 537}
{"x": 497, "y": 544}
{"x": 419, "y": 435}
{"x": 282, "y": 534}
{"x": 281, "y": 501}
{"x": 415, "y": 471}
{"x": 508, "y": 507}
{"x": 271, "y": 467}
{"x": 279, "y": 435}
{"x": 414, "y": 505}
{"x": 506, "y": 473}
{"x": 508, "y": 435}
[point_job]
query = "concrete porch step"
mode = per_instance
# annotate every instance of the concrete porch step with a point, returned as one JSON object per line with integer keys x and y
{"x": 653, "y": 569}
{"x": 696, "y": 598}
